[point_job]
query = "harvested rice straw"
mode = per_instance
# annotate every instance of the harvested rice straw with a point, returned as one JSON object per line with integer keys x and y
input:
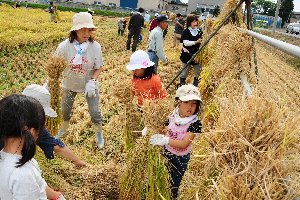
{"x": 156, "y": 112}
{"x": 146, "y": 175}
{"x": 249, "y": 155}
{"x": 54, "y": 68}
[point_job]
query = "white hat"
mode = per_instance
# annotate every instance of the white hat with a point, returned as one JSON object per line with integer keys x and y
{"x": 156, "y": 14}
{"x": 41, "y": 94}
{"x": 188, "y": 93}
{"x": 82, "y": 20}
{"x": 138, "y": 60}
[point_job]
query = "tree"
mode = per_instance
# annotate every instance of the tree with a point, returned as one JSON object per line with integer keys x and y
{"x": 216, "y": 11}
{"x": 286, "y": 11}
{"x": 264, "y": 7}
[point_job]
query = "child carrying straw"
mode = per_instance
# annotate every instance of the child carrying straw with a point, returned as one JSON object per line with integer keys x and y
{"x": 182, "y": 127}
{"x": 147, "y": 85}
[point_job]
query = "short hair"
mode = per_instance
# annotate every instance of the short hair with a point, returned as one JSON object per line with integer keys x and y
{"x": 178, "y": 15}
{"x": 141, "y": 10}
{"x": 190, "y": 19}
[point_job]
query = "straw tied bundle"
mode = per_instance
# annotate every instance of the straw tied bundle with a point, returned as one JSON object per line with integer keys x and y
{"x": 54, "y": 68}
{"x": 248, "y": 158}
{"x": 146, "y": 176}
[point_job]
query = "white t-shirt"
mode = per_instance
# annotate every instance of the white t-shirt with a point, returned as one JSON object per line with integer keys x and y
{"x": 76, "y": 76}
{"x": 22, "y": 183}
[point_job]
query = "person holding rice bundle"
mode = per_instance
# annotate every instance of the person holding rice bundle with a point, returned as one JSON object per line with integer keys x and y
{"x": 182, "y": 127}
{"x": 147, "y": 85}
{"x": 84, "y": 57}
{"x": 22, "y": 119}
{"x": 191, "y": 39}
{"x": 45, "y": 140}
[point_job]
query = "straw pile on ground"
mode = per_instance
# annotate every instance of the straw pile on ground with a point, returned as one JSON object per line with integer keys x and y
{"x": 54, "y": 68}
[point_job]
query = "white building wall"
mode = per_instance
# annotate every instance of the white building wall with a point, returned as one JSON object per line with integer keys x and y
{"x": 103, "y": 2}
{"x": 148, "y": 4}
{"x": 193, "y": 4}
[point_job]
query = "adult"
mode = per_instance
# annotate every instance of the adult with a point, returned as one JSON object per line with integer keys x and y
{"x": 147, "y": 18}
{"x": 179, "y": 26}
{"x": 84, "y": 57}
{"x": 51, "y": 10}
{"x": 191, "y": 39}
{"x": 156, "y": 42}
{"x": 153, "y": 23}
{"x": 22, "y": 118}
{"x": 135, "y": 26}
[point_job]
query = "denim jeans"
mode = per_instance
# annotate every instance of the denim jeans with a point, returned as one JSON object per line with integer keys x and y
{"x": 154, "y": 58}
{"x": 177, "y": 166}
{"x": 197, "y": 69}
{"x": 67, "y": 101}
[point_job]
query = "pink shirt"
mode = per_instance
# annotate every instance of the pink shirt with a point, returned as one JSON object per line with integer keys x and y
{"x": 177, "y": 132}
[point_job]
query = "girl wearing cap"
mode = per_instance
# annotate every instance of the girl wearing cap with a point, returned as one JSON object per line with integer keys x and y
{"x": 191, "y": 39}
{"x": 84, "y": 57}
{"x": 147, "y": 85}
{"x": 182, "y": 127}
{"x": 22, "y": 118}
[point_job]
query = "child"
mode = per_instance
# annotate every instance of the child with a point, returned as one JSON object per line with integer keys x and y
{"x": 147, "y": 85}
{"x": 182, "y": 127}
{"x": 22, "y": 118}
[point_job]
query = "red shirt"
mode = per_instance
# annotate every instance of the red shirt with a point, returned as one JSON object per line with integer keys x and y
{"x": 148, "y": 89}
{"x": 153, "y": 24}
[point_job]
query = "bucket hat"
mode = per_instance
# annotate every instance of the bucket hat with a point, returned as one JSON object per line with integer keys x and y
{"x": 188, "y": 92}
{"x": 138, "y": 60}
{"x": 41, "y": 94}
{"x": 82, "y": 20}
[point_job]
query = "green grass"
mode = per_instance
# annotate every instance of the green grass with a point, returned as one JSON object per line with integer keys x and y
{"x": 62, "y": 8}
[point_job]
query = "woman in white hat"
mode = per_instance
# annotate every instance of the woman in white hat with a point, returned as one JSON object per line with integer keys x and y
{"x": 84, "y": 57}
{"x": 147, "y": 85}
{"x": 182, "y": 127}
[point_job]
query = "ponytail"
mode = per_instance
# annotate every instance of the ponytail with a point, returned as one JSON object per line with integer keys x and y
{"x": 29, "y": 148}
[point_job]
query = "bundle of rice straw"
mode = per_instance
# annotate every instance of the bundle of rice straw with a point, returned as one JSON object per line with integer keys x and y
{"x": 247, "y": 156}
{"x": 146, "y": 176}
{"x": 54, "y": 68}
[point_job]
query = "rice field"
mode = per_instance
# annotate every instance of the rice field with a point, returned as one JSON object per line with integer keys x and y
{"x": 249, "y": 148}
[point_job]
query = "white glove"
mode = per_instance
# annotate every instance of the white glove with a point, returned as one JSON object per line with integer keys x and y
{"x": 144, "y": 131}
{"x": 159, "y": 139}
{"x": 90, "y": 88}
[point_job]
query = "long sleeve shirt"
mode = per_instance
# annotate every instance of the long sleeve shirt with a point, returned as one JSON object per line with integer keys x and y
{"x": 136, "y": 21}
{"x": 156, "y": 43}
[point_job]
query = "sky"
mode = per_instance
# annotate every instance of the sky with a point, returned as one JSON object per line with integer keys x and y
{"x": 296, "y": 4}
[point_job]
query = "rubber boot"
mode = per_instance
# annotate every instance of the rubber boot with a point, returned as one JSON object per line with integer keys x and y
{"x": 63, "y": 129}
{"x": 182, "y": 81}
{"x": 98, "y": 130}
{"x": 196, "y": 81}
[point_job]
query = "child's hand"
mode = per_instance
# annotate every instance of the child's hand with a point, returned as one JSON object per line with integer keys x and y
{"x": 159, "y": 139}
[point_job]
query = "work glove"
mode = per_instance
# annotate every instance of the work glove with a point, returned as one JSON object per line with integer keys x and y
{"x": 159, "y": 139}
{"x": 91, "y": 87}
{"x": 144, "y": 131}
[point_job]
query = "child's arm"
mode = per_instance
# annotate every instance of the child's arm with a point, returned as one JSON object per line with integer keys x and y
{"x": 184, "y": 143}
{"x": 162, "y": 140}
